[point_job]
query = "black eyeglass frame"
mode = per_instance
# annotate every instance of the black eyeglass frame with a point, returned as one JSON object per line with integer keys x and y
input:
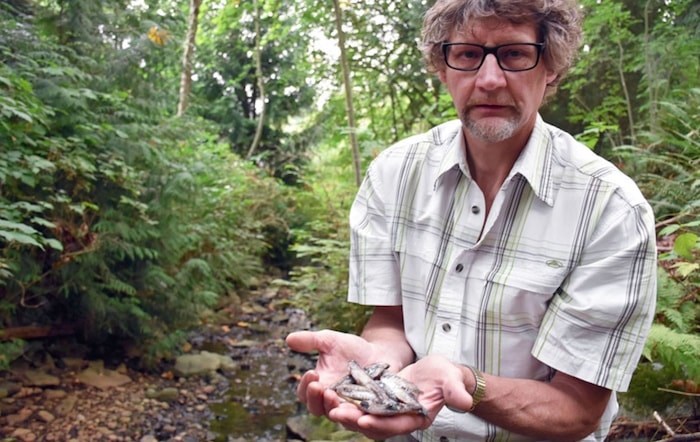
{"x": 445, "y": 46}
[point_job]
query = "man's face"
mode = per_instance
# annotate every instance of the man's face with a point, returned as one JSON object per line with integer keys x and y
{"x": 496, "y": 105}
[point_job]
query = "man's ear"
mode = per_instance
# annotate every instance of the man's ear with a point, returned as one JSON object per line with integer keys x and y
{"x": 441, "y": 75}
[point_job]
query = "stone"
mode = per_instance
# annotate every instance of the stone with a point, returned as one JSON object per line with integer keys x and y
{"x": 165, "y": 395}
{"x": 46, "y": 416}
{"x": 66, "y": 405}
{"x": 38, "y": 378}
{"x": 196, "y": 364}
{"x": 54, "y": 394}
{"x": 102, "y": 379}
{"x": 18, "y": 418}
{"x": 12, "y": 388}
{"x": 24, "y": 435}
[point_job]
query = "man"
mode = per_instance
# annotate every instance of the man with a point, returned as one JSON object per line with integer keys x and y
{"x": 512, "y": 270}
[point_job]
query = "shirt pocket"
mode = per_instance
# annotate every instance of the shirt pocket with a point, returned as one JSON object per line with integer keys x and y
{"x": 519, "y": 294}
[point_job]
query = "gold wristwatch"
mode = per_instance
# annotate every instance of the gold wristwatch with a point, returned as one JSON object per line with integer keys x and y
{"x": 480, "y": 388}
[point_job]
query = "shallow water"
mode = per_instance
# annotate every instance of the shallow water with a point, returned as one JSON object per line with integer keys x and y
{"x": 261, "y": 398}
{"x": 262, "y": 392}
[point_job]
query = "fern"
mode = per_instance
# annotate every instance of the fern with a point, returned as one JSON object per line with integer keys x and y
{"x": 672, "y": 307}
{"x": 680, "y": 351}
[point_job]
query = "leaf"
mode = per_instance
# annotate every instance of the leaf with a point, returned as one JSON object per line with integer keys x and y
{"x": 684, "y": 245}
{"x": 20, "y": 238}
{"x": 18, "y": 227}
{"x": 43, "y": 222}
{"x": 686, "y": 268}
{"x": 20, "y": 114}
{"x": 54, "y": 244}
{"x": 669, "y": 230}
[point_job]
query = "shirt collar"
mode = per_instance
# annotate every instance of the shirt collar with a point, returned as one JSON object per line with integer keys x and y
{"x": 455, "y": 157}
{"x": 534, "y": 163}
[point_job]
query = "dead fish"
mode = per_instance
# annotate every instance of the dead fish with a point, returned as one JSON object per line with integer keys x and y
{"x": 361, "y": 377}
{"x": 355, "y": 393}
{"x": 375, "y": 391}
{"x": 374, "y": 371}
{"x": 390, "y": 408}
{"x": 403, "y": 392}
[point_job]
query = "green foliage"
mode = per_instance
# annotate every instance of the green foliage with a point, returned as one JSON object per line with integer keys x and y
{"x": 675, "y": 306}
{"x": 644, "y": 394}
{"x": 322, "y": 244}
{"x": 113, "y": 217}
{"x": 667, "y": 164}
{"x": 9, "y": 351}
{"x": 636, "y": 55}
{"x": 679, "y": 351}
{"x": 228, "y": 92}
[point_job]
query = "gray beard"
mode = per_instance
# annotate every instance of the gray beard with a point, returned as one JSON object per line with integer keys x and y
{"x": 490, "y": 132}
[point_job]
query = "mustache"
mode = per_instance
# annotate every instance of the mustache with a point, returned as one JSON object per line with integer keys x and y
{"x": 489, "y": 102}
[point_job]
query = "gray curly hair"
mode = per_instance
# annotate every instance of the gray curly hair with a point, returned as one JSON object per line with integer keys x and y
{"x": 558, "y": 23}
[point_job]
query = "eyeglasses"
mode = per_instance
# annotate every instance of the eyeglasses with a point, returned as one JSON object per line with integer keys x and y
{"x": 511, "y": 57}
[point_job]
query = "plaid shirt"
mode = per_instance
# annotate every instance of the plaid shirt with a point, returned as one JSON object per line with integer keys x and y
{"x": 561, "y": 278}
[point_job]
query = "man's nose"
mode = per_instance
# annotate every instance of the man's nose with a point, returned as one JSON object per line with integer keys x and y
{"x": 490, "y": 74}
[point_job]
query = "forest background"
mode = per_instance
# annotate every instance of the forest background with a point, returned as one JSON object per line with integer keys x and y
{"x": 159, "y": 155}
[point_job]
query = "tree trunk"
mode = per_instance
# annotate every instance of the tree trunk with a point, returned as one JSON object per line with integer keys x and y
{"x": 348, "y": 93}
{"x": 187, "y": 56}
{"x": 650, "y": 71}
{"x": 623, "y": 82}
{"x": 261, "y": 83}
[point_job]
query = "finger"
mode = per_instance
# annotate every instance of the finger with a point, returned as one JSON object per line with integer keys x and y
{"x": 330, "y": 400}
{"x": 377, "y": 427}
{"x": 456, "y": 396}
{"x": 347, "y": 415}
{"x": 307, "y": 378}
{"x": 323, "y": 341}
{"x": 302, "y": 341}
{"x": 314, "y": 399}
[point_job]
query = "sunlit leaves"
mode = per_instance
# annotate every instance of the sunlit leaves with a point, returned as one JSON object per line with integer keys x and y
{"x": 158, "y": 35}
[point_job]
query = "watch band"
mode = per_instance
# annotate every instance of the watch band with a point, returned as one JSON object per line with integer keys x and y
{"x": 480, "y": 388}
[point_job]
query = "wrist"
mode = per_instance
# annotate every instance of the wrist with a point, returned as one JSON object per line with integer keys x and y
{"x": 476, "y": 385}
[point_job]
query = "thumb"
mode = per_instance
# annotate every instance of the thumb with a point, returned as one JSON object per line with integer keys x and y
{"x": 456, "y": 396}
{"x": 323, "y": 341}
{"x": 302, "y": 341}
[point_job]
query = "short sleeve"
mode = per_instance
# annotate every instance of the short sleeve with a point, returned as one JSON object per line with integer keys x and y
{"x": 597, "y": 322}
{"x": 374, "y": 276}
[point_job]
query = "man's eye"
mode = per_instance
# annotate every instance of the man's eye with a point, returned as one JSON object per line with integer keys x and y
{"x": 513, "y": 53}
{"x": 469, "y": 54}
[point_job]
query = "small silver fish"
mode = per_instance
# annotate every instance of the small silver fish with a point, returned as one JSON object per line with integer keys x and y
{"x": 390, "y": 408}
{"x": 376, "y": 391}
{"x": 361, "y": 377}
{"x": 374, "y": 371}
{"x": 355, "y": 393}
{"x": 402, "y": 391}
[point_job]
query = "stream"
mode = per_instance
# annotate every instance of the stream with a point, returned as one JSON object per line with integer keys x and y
{"x": 261, "y": 396}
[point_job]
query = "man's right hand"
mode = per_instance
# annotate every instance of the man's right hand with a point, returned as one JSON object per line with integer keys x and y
{"x": 335, "y": 349}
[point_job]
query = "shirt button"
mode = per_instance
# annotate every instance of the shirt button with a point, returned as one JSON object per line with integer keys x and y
{"x": 446, "y": 327}
{"x": 475, "y": 210}
{"x": 459, "y": 268}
